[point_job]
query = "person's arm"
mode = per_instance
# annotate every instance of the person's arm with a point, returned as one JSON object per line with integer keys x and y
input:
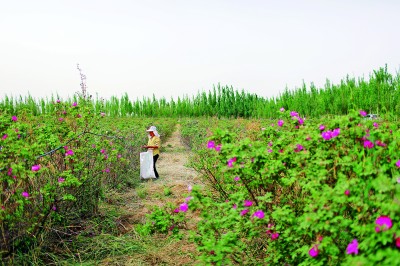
{"x": 156, "y": 146}
{"x": 150, "y": 147}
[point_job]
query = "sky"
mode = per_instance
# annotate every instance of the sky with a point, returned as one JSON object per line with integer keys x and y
{"x": 173, "y": 48}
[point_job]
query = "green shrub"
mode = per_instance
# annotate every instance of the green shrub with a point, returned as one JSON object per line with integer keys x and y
{"x": 300, "y": 195}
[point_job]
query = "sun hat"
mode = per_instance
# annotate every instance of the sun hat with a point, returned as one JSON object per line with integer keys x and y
{"x": 154, "y": 130}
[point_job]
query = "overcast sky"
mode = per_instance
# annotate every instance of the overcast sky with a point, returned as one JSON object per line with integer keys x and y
{"x": 173, "y": 48}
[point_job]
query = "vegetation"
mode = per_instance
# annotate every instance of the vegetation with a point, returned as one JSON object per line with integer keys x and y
{"x": 302, "y": 179}
{"x": 56, "y": 168}
{"x": 322, "y": 192}
{"x": 378, "y": 94}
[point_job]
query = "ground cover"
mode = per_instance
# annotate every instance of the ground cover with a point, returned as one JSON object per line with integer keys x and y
{"x": 287, "y": 190}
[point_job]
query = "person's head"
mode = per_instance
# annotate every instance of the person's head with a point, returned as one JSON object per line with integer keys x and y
{"x": 152, "y": 131}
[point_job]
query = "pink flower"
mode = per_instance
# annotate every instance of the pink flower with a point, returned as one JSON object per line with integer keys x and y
{"x": 384, "y": 223}
{"x": 211, "y": 145}
{"x": 79, "y": 115}
{"x": 398, "y": 242}
{"x": 335, "y": 132}
{"x": 74, "y": 104}
{"x": 244, "y": 212}
{"x": 188, "y": 198}
{"x": 282, "y": 109}
{"x": 54, "y": 208}
{"x": 4, "y": 136}
{"x": 269, "y": 150}
{"x": 237, "y": 178}
{"x": 398, "y": 163}
{"x": 61, "y": 180}
{"x": 259, "y": 214}
{"x": 234, "y": 206}
{"x": 58, "y": 101}
{"x": 119, "y": 156}
{"x": 14, "y": 118}
{"x": 294, "y": 114}
{"x": 218, "y": 147}
{"x": 176, "y": 210}
{"x": 299, "y": 148}
{"x": 247, "y": 203}
{"x": 9, "y": 172}
{"x": 103, "y": 151}
{"x": 189, "y": 188}
{"x": 274, "y": 236}
{"x": 280, "y": 123}
{"x": 183, "y": 207}
{"x": 376, "y": 125}
{"x": 69, "y": 152}
{"x": 102, "y": 114}
{"x": 36, "y": 168}
{"x": 368, "y": 144}
{"x": 327, "y": 135}
{"x": 231, "y": 161}
{"x": 347, "y": 192}
{"x": 61, "y": 119}
{"x": 363, "y": 113}
{"x": 380, "y": 143}
{"x": 25, "y": 194}
{"x": 301, "y": 121}
{"x": 352, "y": 248}
{"x": 321, "y": 127}
{"x": 270, "y": 143}
{"x": 107, "y": 170}
{"x": 313, "y": 252}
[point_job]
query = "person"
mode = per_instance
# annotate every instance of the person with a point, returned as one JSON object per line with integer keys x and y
{"x": 154, "y": 144}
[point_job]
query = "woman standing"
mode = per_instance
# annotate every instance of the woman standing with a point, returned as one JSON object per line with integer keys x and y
{"x": 154, "y": 145}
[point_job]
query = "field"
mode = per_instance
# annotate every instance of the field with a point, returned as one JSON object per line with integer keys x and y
{"x": 304, "y": 179}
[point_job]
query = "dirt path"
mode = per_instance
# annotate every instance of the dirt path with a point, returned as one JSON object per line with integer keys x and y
{"x": 172, "y": 163}
{"x": 174, "y": 176}
{"x": 171, "y": 187}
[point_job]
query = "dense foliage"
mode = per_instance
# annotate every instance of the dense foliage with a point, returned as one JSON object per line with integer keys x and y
{"x": 280, "y": 188}
{"x": 300, "y": 192}
{"x": 378, "y": 94}
{"x": 55, "y": 168}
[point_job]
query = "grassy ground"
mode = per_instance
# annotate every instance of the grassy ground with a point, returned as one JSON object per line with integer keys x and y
{"x": 113, "y": 239}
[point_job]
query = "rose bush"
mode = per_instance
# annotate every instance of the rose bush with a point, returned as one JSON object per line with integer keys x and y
{"x": 303, "y": 193}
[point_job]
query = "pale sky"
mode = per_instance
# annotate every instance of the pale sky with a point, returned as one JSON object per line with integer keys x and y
{"x": 173, "y": 48}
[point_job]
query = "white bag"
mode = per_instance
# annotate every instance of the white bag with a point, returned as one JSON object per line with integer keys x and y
{"x": 147, "y": 165}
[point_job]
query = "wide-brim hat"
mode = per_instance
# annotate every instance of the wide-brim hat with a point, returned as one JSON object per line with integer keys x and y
{"x": 151, "y": 129}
